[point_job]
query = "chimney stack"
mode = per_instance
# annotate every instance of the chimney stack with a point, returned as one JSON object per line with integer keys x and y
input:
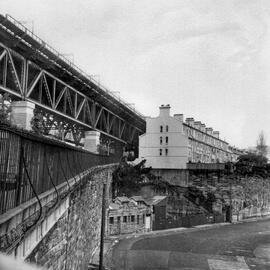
{"x": 209, "y": 131}
{"x": 203, "y": 127}
{"x": 179, "y": 117}
{"x": 164, "y": 110}
{"x": 197, "y": 124}
{"x": 190, "y": 121}
{"x": 216, "y": 134}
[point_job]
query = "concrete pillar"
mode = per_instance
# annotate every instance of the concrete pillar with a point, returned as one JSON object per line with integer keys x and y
{"x": 22, "y": 113}
{"x": 91, "y": 140}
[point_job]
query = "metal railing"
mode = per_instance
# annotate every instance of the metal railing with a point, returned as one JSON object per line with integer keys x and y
{"x": 31, "y": 165}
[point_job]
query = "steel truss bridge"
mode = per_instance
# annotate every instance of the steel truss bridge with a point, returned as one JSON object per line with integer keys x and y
{"x": 31, "y": 70}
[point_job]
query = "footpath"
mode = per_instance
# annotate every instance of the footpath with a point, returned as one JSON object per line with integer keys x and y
{"x": 111, "y": 241}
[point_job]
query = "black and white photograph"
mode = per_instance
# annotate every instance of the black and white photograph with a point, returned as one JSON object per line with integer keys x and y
{"x": 135, "y": 135}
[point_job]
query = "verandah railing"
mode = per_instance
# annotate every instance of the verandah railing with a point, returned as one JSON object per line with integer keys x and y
{"x": 31, "y": 165}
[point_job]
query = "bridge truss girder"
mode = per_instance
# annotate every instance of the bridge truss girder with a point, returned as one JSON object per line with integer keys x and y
{"x": 25, "y": 80}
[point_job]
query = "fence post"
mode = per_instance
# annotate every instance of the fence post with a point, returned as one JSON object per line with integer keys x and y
{"x": 3, "y": 200}
{"x": 20, "y": 175}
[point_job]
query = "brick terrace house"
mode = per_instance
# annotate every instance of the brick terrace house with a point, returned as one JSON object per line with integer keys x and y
{"x": 125, "y": 215}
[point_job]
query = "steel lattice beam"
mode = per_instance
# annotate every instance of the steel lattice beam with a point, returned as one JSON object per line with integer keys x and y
{"x": 27, "y": 81}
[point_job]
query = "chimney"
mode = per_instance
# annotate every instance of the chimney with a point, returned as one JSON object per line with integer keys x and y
{"x": 203, "y": 127}
{"x": 179, "y": 117}
{"x": 209, "y": 131}
{"x": 164, "y": 110}
{"x": 216, "y": 134}
{"x": 197, "y": 124}
{"x": 190, "y": 121}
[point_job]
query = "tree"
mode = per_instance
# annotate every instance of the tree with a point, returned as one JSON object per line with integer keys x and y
{"x": 5, "y": 108}
{"x": 261, "y": 145}
{"x": 128, "y": 179}
{"x": 42, "y": 122}
{"x": 251, "y": 164}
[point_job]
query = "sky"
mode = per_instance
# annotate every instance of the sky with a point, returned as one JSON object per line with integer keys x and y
{"x": 208, "y": 59}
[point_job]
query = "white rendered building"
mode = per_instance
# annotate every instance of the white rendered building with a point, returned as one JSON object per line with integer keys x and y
{"x": 170, "y": 143}
{"x": 164, "y": 145}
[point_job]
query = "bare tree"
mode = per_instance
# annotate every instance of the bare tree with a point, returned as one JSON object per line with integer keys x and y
{"x": 261, "y": 145}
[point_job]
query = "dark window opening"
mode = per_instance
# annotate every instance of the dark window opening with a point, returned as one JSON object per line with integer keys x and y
{"x": 111, "y": 220}
{"x": 161, "y": 128}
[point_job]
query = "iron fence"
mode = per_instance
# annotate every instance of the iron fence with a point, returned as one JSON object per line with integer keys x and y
{"x": 31, "y": 165}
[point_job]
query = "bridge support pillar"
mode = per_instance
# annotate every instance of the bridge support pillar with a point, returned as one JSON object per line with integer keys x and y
{"x": 92, "y": 140}
{"x": 22, "y": 113}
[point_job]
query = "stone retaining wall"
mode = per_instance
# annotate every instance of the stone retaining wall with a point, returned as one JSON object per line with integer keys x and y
{"x": 72, "y": 241}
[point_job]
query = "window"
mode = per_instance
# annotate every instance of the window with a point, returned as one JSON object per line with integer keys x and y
{"x": 143, "y": 220}
{"x": 138, "y": 219}
{"x": 118, "y": 220}
{"x": 167, "y": 128}
{"x": 132, "y": 218}
{"x": 160, "y": 140}
{"x": 160, "y": 152}
{"x": 161, "y": 128}
{"x": 111, "y": 220}
{"x": 125, "y": 219}
{"x": 166, "y": 152}
{"x": 167, "y": 139}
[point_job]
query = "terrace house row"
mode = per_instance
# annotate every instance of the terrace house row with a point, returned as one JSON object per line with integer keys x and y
{"x": 170, "y": 144}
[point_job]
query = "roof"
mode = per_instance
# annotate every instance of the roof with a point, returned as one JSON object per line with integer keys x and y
{"x": 123, "y": 199}
{"x": 186, "y": 124}
{"x": 114, "y": 206}
{"x": 156, "y": 199}
{"x": 139, "y": 199}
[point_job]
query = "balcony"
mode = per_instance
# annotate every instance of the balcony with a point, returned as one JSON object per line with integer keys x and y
{"x": 206, "y": 166}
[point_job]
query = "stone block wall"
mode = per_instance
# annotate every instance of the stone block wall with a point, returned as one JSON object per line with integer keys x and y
{"x": 51, "y": 251}
{"x": 71, "y": 243}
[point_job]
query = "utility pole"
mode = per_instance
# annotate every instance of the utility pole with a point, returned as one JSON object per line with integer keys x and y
{"x": 103, "y": 216}
{"x": 230, "y": 200}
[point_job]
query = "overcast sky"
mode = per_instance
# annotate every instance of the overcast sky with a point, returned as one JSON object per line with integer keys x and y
{"x": 208, "y": 59}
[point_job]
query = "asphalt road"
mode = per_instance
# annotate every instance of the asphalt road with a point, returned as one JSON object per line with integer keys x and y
{"x": 241, "y": 246}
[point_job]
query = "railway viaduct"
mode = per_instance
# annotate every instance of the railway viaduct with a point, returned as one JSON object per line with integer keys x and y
{"x": 50, "y": 191}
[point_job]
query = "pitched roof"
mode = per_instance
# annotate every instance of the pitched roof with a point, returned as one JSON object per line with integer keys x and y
{"x": 114, "y": 206}
{"x": 155, "y": 200}
{"x": 139, "y": 199}
{"x": 123, "y": 199}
